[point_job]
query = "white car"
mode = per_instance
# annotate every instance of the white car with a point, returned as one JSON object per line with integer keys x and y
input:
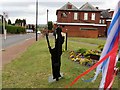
{"x": 38, "y": 32}
{"x": 29, "y": 30}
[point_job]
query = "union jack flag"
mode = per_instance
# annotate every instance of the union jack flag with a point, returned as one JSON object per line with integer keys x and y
{"x": 109, "y": 57}
{"x": 108, "y": 66}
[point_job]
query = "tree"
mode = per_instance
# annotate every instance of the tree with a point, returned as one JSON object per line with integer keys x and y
{"x": 24, "y": 21}
{"x": 50, "y": 25}
{"x": 9, "y": 21}
{"x": 16, "y": 21}
{"x": 20, "y": 22}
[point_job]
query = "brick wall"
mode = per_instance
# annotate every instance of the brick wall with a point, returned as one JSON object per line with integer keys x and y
{"x": 70, "y": 17}
{"x": 75, "y": 31}
{"x": 102, "y": 31}
{"x": 85, "y": 34}
{"x": 97, "y": 17}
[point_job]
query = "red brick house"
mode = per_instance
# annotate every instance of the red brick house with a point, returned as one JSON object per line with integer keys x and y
{"x": 87, "y": 21}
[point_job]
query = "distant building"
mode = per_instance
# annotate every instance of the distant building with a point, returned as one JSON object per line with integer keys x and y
{"x": 30, "y": 26}
{"x": 20, "y": 22}
{"x": 87, "y": 21}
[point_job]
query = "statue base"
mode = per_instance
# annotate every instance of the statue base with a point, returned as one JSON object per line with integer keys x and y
{"x": 50, "y": 78}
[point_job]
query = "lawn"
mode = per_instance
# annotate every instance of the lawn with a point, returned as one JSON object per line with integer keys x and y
{"x": 96, "y": 41}
{"x": 32, "y": 69}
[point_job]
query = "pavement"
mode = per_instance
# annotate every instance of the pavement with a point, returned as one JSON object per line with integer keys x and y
{"x": 51, "y": 80}
{"x": 14, "y": 51}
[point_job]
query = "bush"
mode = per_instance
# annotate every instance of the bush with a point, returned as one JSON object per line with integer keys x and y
{"x": 100, "y": 47}
{"x": 118, "y": 64}
{"x": 82, "y": 50}
{"x": 15, "y": 29}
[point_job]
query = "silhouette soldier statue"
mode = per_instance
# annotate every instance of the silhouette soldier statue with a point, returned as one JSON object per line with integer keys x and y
{"x": 56, "y": 53}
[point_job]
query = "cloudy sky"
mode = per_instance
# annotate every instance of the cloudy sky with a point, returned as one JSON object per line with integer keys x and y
{"x": 25, "y": 9}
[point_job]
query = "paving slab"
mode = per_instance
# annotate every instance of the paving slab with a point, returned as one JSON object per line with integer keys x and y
{"x": 51, "y": 80}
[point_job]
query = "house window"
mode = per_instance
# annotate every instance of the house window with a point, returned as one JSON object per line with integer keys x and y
{"x": 64, "y": 14}
{"x": 93, "y": 16}
{"x": 75, "y": 16}
{"x": 85, "y": 16}
{"x": 103, "y": 21}
{"x": 100, "y": 21}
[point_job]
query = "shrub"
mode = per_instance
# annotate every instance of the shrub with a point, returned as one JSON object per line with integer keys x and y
{"x": 100, "y": 47}
{"x": 118, "y": 64}
{"x": 82, "y": 50}
{"x": 15, "y": 29}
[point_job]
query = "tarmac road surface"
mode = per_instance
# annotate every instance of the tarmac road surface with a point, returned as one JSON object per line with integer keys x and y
{"x": 14, "y": 39}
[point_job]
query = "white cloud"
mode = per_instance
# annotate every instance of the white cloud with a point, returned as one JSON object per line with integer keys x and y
{"x": 27, "y": 9}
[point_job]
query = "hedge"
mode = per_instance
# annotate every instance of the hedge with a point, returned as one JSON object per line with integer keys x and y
{"x": 15, "y": 29}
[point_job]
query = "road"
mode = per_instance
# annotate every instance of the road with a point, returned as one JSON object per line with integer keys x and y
{"x": 14, "y": 39}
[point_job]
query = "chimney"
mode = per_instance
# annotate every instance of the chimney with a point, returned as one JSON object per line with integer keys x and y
{"x": 69, "y": 6}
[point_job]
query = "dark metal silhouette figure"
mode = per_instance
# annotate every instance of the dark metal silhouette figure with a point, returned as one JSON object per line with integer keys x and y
{"x": 56, "y": 53}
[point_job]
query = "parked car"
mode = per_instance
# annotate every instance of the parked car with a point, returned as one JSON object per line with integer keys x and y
{"x": 29, "y": 30}
{"x": 38, "y": 32}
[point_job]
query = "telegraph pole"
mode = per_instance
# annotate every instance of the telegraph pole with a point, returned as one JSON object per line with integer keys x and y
{"x": 47, "y": 20}
{"x": 36, "y": 18}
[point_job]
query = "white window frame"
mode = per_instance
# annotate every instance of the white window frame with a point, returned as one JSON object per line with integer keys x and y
{"x": 103, "y": 21}
{"x": 100, "y": 21}
{"x": 93, "y": 16}
{"x": 75, "y": 16}
{"x": 30, "y": 26}
{"x": 85, "y": 16}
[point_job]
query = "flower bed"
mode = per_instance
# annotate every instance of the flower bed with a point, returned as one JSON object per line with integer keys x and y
{"x": 78, "y": 57}
{"x": 86, "y": 57}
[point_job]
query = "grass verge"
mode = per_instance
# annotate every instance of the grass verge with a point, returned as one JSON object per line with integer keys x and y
{"x": 32, "y": 69}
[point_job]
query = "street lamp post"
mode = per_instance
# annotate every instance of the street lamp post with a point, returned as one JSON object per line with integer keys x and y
{"x": 36, "y": 17}
{"x": 5, "y": 15}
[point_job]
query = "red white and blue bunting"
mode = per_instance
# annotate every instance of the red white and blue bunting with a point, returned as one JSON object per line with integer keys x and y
{"x": 109, "y": 57}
